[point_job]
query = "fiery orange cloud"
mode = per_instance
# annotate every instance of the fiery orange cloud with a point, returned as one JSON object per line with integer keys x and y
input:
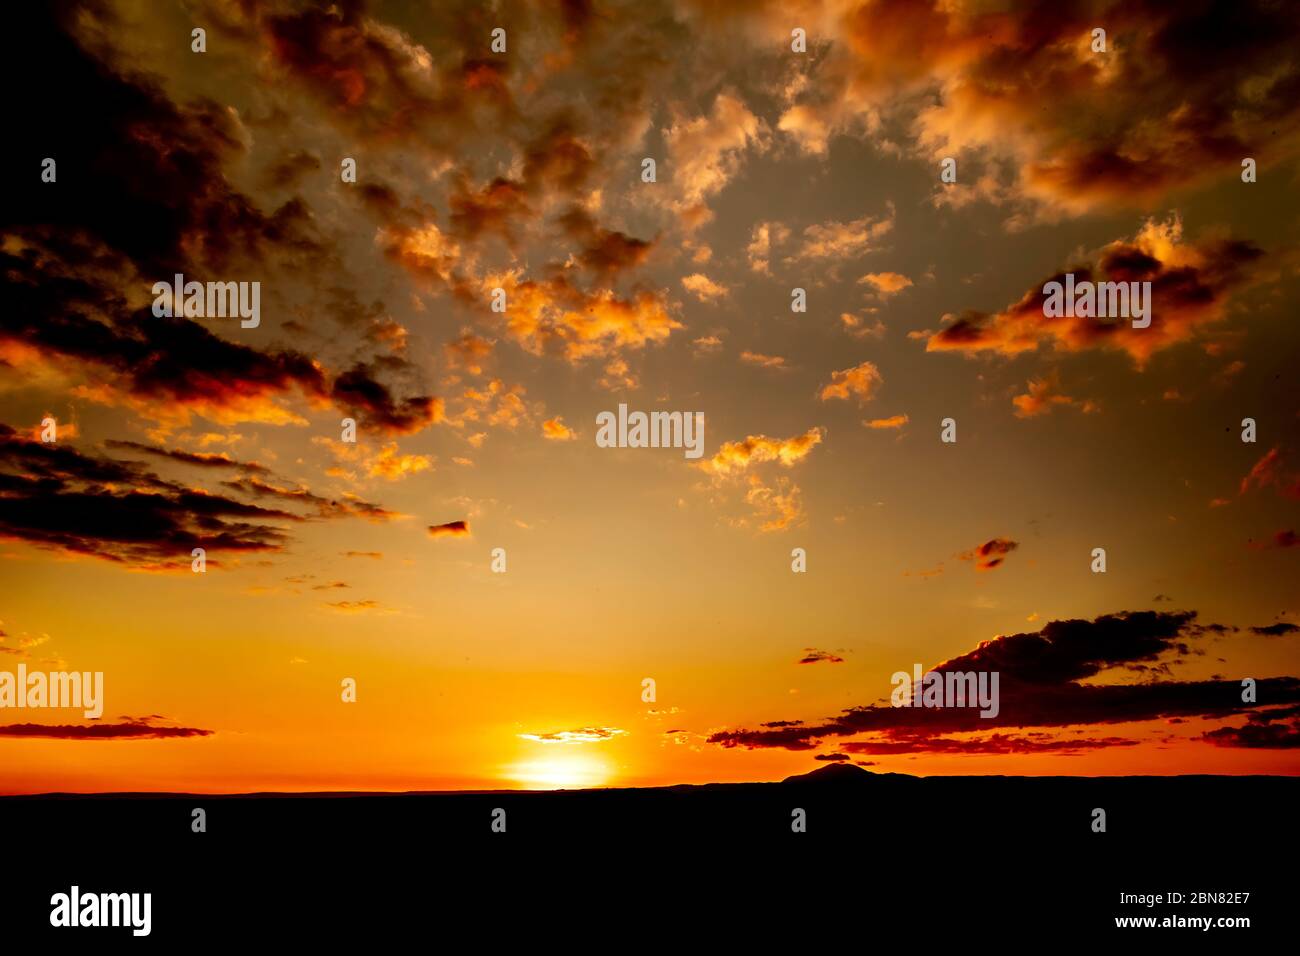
{"x": 734, "y": 457}
{"x": 861, "y": 380}
{"x": 554, "y": 429}
{"x": 1191, "y": 284}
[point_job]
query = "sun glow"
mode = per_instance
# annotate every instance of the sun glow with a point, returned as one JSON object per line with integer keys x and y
{"x": 560, "y": 772}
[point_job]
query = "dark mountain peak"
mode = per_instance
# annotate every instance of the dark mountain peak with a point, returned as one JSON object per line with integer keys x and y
{"x": 835, "y": 773}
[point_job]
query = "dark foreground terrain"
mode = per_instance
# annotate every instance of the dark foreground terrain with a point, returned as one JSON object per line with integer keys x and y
{"x": 979, "y": 859}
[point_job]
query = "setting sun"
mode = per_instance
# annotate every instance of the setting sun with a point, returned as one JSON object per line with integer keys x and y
{"x": 560, "y": 772}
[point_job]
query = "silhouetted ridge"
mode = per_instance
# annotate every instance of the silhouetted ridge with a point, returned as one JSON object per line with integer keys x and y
{"x": 835, "y": 773}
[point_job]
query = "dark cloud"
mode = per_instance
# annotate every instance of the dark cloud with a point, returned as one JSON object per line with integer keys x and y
{"x": 990, "y": 554}
{"x": 54, "y": 496}
{"x": 291, "y": 167}
{"x": 604, "y": 252}
{"x": 450, "y": 529}
{"x": 814, "y": 656}
{"x": 133, "y": 730}
{"x": 1276, "y": 630}
{"x": 495, "y": 208}
{"x": 140, "y": 174}
{"x": 349, "y": 506}
{"x": 994, "y": 743}
{"x": 1190, "y": 288}
{"x": 141, "y": 195}
{"x": 1276, "y": 729}
{"x": 200, "y": 459}
{"x": 1044, "y": 683}
{"x": 358, "y": 391}
{"x": 832, "y": 757}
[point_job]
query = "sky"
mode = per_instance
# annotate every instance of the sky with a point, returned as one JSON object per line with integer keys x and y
{"x": 795, "y": 147}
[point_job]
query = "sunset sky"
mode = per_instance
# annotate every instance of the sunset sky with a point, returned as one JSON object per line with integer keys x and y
{"x": 522, "y": 170}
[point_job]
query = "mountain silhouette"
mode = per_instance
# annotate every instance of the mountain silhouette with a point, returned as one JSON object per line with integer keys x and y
{"x": 835, "y": 773}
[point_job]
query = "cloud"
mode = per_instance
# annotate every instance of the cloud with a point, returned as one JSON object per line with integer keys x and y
{"x": 554, "y": 429}
{"x": 469, "y": 352}
{"x": 813, "y": 656}
{"x": 554, "y": 314}
{"x": 1286, "y": 538}
{"x": 704, "y": 288}
{"x": 994, "y": 743}
{"x": 345, "y": 506}
{"x": 1191, "y": 284}
{"x": 1181, "y": 95}
{"x": 861, "y": 380}
{"x": 765, "y": 237}
{"x": 147, "y": 197}
{"x": 777, "y": 505}
{"x": 1271, "y": 470}
{"x": 453, "y": 529}
{"x": 605, "y": 253}
{"x": 990, "y": 554}
{"x": 893, "y": 422}
{"x": 845, "y": 240}
{"x": 856, "y": 326}
{"x": 357, "y": 607}
{"x": 1043, "y": 395}
{"x": 583, "y": 735}
{"x": 359, "y": 391}
{"x": 763, "y": 361}
{"x": 706, "y": 152}
{"x": 55, "y": 497}
{"x": 1276, "y": 630}
{"x": 1275, "y": 729}
{"x": 886, "y": 284}
{"x": 735, "y": 457}
{"x": 618, "y": 376}
{"x": 200, "y": 459}
{"x": 707, "y": 344}
{"x": 1045, "y": 682}
{"x": 142, "y": 729}
{"x": 389, "y": 464}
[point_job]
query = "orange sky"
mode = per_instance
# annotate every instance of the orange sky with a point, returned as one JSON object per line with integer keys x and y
{"x": 522, "y": 170}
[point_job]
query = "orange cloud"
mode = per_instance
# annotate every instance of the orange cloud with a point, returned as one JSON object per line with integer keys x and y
{"x": 554, "y": 429}
{"x": 886, "y": 283}
{"x": 1043, "y": 395}
{"x": 1191, "y": 285}
{"x": 861, "y": 380}
{"x": 894, "y": 421}
{"x": 704, "y": 288}
{"x": 763, "y": 361}
{"x": 555, "y": 313}
{"x": 735, "y": 457}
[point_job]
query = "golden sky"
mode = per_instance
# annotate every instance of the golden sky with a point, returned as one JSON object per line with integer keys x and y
{"x": 522, "y": 170}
